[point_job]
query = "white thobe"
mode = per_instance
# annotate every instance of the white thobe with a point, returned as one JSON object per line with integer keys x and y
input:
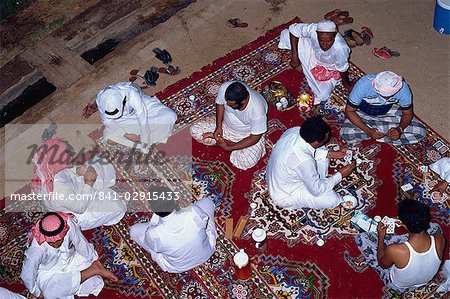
{"x": 93, "y": 206}
{"x": 238, "y": 125}
{"x": 142, "y": 115}
{"x": 297, "y": 174}
{"x": 56, "y": 272}
{"x": 442, "y": 168}
{"x": 182, "y": 240}
{"x": 7, "y": 294}
{"x": 311, "y": 55}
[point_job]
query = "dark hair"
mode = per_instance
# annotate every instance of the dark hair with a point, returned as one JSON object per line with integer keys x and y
{"x": 236, "y": 92}
{"x": 315, "y": 129}
{"x": 414, "y": 214}
{"x": 159, "y": 202}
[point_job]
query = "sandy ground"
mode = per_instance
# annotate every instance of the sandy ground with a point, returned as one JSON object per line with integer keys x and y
{"x": 197, "y": 35}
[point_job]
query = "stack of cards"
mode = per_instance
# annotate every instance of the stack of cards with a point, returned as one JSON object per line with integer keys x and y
{"x": 390, "y": 222}
{"x": 440, "y": 147}
{"x": 406, "y": 187}
{"x": 348, "y": 156}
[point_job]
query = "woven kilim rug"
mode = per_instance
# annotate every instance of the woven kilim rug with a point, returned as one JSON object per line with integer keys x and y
{"x": 292, "y": 266}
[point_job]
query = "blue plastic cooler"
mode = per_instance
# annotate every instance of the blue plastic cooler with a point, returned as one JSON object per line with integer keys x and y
{"x": 442, "y": 16}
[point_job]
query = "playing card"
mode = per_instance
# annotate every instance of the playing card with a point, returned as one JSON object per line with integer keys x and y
{"x": 348, "y": 156}
{"x": 390, "y": 222}
{"x": 406, "y": 187}
{"x": 438, "y": 145}
{"x": 390, "y": 228}
{"x": 423, "y": 169}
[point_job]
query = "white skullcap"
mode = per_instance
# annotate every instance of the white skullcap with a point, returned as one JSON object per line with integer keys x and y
{"x": 111, "y": 100}
{"x": 387, "y": 83}
{"x": 326, "y": 26}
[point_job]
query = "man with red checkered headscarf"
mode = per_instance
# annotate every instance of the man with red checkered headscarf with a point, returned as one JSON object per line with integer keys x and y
{"x": 83, "y": 190}
{"x": 59, "y": 262}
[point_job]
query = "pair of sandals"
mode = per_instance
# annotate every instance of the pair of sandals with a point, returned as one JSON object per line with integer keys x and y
{"x": 236, "y": 23}
{"x": 152, "y": 75}
{"x": 385, "y": 53}
{"x": 355, "y": 38}
{"x": 166, "y": 58}
{"x": 339, "y": 17}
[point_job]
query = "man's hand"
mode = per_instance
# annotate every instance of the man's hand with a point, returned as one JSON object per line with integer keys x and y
{"x": 218, "y": 133}
{"x": 132, "y": 137}
{"x": 90, "y": 176}
{"x": 381, "y": 229}
{"x": 346, "y": 170}
{"x": 225, "y": 144}
{"x": 375, "y": 134}
{"x": 394, "y": 133}
{"x": 348, "y": 85}
{"x": 440, "y": 187}
{"x": 81, "y": 170}
{"x": 339, "y": 154}
{"x": 208, "y": 135}
{"x": 295, "y": 63}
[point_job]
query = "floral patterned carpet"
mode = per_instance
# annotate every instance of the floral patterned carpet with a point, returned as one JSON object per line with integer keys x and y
{"x": 293, "y": 266}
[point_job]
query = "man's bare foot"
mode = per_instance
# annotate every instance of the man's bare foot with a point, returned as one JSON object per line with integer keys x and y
{"x": 208, "y": 135}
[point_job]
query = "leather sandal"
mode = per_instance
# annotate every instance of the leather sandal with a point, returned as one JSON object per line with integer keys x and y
{"x": 169, "y": 70}
{"x": 350, "y": 41}
{"x": 151, "y": 76}
{"x": 367, "y": 35}
{"x": 356, "y": 36}
{"x": 335, "y": 14}
{"x": 342, "y": 20}
{"x": 236, "y": 22}
{"x": 163, "y": 55}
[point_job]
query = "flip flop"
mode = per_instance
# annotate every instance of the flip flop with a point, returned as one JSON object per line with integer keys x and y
{"x": 342, "y": 20}
{"x": 170, "y": 70}
{"x": 350, "y": 41}
{"x": 236, "y": 22}
{"x": 367, "y": 35}
{"x": 134, "y": 72}
{"x": 162, "y": 55}
{"x": 151, "y": 76}
{"x": 89, "y": 110}
{"x": 381, "y": 53}
{"x": 336, "y": 13}
{"x": 132, "y": 78}
{"x": 356, "y": 36}
{"x": 392, "y": 53}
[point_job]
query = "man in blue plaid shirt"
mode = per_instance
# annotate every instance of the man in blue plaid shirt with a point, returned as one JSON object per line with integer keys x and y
{"x": 380, "y": 107}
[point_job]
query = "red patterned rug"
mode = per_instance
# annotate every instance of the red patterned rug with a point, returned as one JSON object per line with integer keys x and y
{"x": 293, "y": 266}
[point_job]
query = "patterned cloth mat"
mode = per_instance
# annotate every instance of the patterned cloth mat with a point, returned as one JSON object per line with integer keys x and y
{"x": 281, "y": 271}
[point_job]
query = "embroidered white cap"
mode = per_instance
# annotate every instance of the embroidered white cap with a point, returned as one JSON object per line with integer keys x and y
{"x": 326, "y": 26}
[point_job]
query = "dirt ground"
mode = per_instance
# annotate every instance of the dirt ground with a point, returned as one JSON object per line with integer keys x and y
{"x": 197, "y": 35}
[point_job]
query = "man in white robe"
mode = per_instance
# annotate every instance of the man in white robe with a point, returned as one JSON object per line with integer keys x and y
{"x": 239, "y": 124}
{"x": 321, "y": 53}
{"x": 59, "y": 262}
{"x": 7, "y": 294}
{"x": 442, "y": 168}
{"x": 297, "y": 171}
{"x": 132, "y": 118}
{"x": 83, "y": 190}
{"x": 178, "y": 240}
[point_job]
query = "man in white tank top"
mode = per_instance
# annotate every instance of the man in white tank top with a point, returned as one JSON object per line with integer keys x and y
{"x": 409, "y": 261}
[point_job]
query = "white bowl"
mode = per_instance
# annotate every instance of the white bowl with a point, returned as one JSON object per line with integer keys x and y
{"x": 350, "y": 202}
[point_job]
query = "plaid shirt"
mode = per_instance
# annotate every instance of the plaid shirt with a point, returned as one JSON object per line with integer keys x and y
{"x": 371, "y": 109}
